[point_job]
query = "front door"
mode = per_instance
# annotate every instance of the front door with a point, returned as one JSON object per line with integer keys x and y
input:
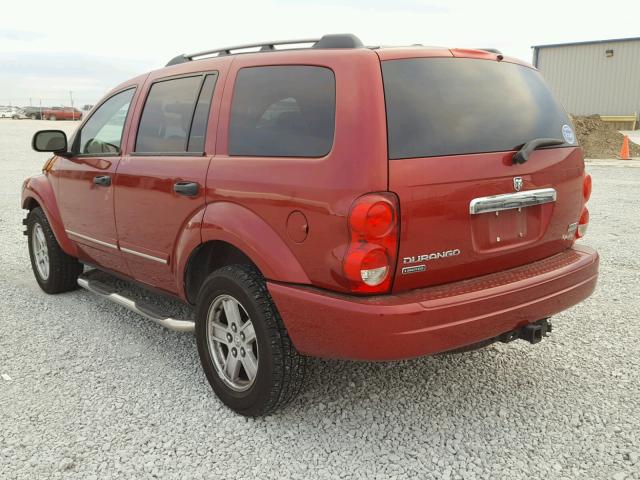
{"x": 85, "y": 183}
{"x": 160, "y": 185}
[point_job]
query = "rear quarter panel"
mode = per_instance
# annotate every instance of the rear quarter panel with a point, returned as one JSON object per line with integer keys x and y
{"x": 322, "y": 189}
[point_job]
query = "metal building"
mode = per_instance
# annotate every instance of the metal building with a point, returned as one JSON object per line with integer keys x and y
{"x": 598, "y": 77}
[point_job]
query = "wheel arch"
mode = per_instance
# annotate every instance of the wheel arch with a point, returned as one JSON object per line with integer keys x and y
{"x": 230, "y": 234}
{"x": 206, "y": 258}
{"x": 38, "y": 192}
{"x": 29, "y": 203}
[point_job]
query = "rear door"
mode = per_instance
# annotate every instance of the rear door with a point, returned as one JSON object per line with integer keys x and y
{"x": 160, "y": 185}
{"x": 454, "y": 125}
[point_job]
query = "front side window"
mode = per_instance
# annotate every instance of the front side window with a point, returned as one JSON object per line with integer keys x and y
{"x": 167, "y": 115}
{"x": 283, "y": 111}
{"x": 102, "y": 134}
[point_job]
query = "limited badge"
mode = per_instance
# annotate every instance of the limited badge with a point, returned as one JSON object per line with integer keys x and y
{"x": 413, "y": 269}
{"x": 568, "y": 135}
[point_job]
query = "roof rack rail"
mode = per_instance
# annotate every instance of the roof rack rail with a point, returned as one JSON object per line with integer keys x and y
{"x": 346, "y": 40}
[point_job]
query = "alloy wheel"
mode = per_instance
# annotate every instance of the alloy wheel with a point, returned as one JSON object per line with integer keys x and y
{"x": 40, "y": 251}
{"x": 232, "y": 343}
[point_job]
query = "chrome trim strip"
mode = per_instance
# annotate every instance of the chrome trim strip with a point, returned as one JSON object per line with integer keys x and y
{"x": 509, "y": 201}
{"x": 115, "y": 247}
{"x": 85, "y": 237}
{"x": 104, "y": 291}
{"x": 144, "y": 255}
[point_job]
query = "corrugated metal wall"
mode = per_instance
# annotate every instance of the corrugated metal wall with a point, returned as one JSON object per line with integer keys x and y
{"x": 586, "y": 81}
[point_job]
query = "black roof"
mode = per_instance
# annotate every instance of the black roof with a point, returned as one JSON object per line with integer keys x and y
{"x": 588, "y": 42}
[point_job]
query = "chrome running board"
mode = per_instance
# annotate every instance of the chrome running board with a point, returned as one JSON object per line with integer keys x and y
{"x": 146, "y": 311}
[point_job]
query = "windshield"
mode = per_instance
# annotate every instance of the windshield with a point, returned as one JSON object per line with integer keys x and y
{"x": 453, "y": 106}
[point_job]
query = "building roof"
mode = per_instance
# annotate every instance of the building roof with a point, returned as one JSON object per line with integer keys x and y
{"x": 588, "y": 42}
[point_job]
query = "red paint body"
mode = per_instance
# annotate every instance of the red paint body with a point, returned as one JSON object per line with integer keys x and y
{"x": 246, "y": 202}
{"x": 436, "y": 319}
{"x": 61, "y": 113}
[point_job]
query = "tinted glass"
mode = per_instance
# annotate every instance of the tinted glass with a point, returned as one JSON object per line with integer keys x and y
{"x": 450, "y": 106}
{"x": 201, "y": 115}
{"x": 166, "y": 118}
{"x": 103, "y": 131}
{"x": 284, "y": 111}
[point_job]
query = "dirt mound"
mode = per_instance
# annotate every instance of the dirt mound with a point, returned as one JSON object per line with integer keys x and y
{"x": 599, "y": 139}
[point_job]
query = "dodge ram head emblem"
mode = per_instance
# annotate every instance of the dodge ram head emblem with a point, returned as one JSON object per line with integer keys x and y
{"x": 517, "y": 183}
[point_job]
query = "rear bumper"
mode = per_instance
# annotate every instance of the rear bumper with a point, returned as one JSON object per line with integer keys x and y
{"x": 435, "y": 319}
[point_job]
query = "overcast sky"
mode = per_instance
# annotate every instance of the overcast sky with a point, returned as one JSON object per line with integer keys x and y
{"x": 48, "y": 48}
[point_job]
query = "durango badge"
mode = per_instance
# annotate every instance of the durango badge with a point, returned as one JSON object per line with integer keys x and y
{"x": 431, "y": 256}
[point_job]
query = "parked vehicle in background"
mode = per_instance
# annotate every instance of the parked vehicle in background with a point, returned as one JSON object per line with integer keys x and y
{"x": 20, "y": 114}
{"x": 61, "y": 113}
{"x": 33, "y": 113}
{"x": 304, "y": 215}
{"x": 8, "y": 112}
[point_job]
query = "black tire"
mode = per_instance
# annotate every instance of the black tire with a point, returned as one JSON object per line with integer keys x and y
{"x": 280, "y": 372}
{"x": 63, "y": 269}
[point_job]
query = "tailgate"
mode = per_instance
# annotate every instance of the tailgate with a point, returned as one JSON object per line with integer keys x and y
{"x": 453, "y": 126}
{"x": 442, "y": 241}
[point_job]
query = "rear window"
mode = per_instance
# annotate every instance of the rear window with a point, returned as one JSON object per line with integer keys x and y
{"x": 453, "y": 106}
{"x": 283, "y": 111}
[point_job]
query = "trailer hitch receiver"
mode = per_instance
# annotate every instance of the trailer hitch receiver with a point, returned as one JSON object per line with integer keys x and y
{"x": 532, "y": 333}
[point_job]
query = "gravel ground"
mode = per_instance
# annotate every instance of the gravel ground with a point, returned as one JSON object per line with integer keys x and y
{"x": 88, "y": 390}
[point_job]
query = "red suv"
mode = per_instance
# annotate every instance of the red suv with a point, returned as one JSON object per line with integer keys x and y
{"x": 336, "y": 201}
{"x": 61, "y": 113}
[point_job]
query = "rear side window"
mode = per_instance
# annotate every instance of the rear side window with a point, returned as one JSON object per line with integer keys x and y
{"x": 174, "y": 119}
{"x": 283, "y": 111}
{"x": 452, "y": 106}
{"x": 201, "y": 115}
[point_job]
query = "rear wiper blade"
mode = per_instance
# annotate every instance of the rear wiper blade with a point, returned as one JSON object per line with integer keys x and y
{"x": 522, "y": 155}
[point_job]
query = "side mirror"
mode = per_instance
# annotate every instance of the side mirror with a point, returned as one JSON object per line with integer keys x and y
{"x": 50, "y": 141}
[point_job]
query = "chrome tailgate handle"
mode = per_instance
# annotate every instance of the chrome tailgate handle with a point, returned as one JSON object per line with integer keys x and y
{"x": 510, "y": 201}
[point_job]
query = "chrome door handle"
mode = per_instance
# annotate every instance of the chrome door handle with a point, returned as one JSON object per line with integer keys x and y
{"x": 189, "y": 189}
{"x": 104, "y": 180}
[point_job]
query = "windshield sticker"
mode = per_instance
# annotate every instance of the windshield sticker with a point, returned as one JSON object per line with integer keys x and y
{"x": 568, "y": 135}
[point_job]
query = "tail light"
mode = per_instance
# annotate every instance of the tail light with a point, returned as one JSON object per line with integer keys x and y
{"x": 371, "y": 257}
{"x": 583, "y": 223}
{"x": 586, "y": 188}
